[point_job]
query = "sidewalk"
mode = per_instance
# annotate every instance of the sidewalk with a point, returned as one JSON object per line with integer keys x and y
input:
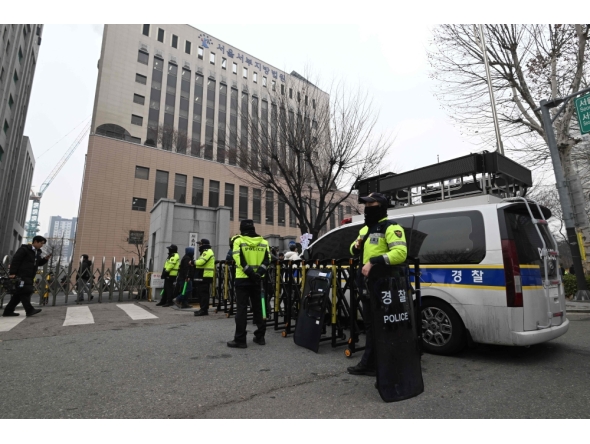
{"x": 577, "y": 306}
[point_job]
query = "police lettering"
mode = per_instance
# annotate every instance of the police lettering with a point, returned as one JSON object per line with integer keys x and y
{"x": 395, "y": 318}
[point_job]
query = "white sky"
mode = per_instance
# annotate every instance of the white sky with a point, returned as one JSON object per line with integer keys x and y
{"x": 381, "y": 46}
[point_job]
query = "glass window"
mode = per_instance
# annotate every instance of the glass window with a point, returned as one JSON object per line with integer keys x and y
{"x": 245, "y": 73}
{"x": 197, "y": 117}
{"x": 223, "y": 63}
{"x": 160, "y": 35}
{"x": 255, "y": 77}
{"x": 174, "y": 41}
{"x": 197, "y": 191}
{"x": 180, "y": 188}
{"x": 10, "y": 101}
{"x": 212, "y": 58}
{"x": 138, "y": 99}
{"x": 313, "y": 103}
{"x": 264, "y": 81}
{"x": 136, "y": 120}
{"x": 273, "y": 85}
{"x": 281, "y": 212}
{"x": 290, "y": 93}
{"x": 292, "y": 218}
{"x": 146, "y": 30}
{"x": 142, "y": 173}
{"x": 257, "y": 206}
{"x": 1, "y": 153}
{"x": 140, "y": 79}
{"x": 270, "y": 208}
{"x": 457, "y": 238}
{"x": 200, "y": 52}
{"x": 234, "y": 67}
{"x": 243, "y": 203}
{"x": 161, "y": 191}
{"x": 229, "y": 199}
{"x": 187, "y": 47}
{"x": 138, "y": 204}
{"x": 135, "y": 237}
{"x": 298, "y": 96}
{"x": 6, "y": 126}
{"x": 142, "y": 57}
{"x": 213, "y": 193}
{"x": 20, "y": 55}
{"x": 348, "y": 209}
{"x": 2, "y": 75}
{"x": 335, "y": 245}
{"x": 15, "y": 76}
{"x": 282, "y": 89}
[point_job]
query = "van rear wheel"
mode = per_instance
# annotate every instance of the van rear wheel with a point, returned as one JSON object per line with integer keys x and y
{"x": 443, "y": 332}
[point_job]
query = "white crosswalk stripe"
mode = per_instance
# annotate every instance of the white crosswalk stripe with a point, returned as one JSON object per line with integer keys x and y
{"x": 78, "y": 316}
{"x": 8, "y": 323}
{"x": 136, "y": 313}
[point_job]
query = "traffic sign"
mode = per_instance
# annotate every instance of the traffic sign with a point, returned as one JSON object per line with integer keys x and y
{"x": 583, "y": 110}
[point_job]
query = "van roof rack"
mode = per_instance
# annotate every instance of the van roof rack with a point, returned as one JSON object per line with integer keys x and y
{"x": 474, "y": 174}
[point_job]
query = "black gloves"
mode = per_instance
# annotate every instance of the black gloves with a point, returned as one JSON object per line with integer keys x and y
{"x": 256, "y": 278}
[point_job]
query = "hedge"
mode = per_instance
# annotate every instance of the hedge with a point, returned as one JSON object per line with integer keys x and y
{"x": 570, "y": 284}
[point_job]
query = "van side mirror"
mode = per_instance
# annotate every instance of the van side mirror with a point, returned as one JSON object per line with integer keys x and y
{"x": 306, "y": 255}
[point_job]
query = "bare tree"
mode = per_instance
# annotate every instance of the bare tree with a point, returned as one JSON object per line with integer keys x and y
{"x": 135, "y": 242}
{"x": 306, "y": 145}
{"x": 528, "y": 63}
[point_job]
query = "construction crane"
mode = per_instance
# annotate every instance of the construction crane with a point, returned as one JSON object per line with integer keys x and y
{"x": 33, "y": 223}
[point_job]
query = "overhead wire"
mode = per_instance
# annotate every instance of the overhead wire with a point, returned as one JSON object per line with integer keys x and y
{"x": 73, "y": 129}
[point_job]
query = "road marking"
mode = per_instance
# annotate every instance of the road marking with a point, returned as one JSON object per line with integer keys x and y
{"x": 8, "y": 323}
{"x": 135, "y": 312}
{"x": 78, "y": 316}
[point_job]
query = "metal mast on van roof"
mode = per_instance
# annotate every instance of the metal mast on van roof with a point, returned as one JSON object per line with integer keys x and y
{"x": 475, "y": 174}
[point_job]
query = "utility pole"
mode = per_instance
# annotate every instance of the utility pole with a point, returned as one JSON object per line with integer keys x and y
{"x": 562, "y": 189}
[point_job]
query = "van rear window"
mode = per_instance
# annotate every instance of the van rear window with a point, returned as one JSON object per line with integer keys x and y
{"x": 528, "y": 243}
{"x": 456, "y": 238}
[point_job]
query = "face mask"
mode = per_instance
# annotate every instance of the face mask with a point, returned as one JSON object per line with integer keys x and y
{"x": 374, "y": 214}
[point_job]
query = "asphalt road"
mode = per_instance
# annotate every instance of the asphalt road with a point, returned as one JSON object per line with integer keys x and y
{"x": 178, "y": 366}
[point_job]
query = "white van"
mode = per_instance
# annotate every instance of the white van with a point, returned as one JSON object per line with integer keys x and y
{"x": 489, "y": 270}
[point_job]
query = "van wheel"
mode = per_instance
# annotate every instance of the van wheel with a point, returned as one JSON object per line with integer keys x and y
{"x": 443, "y": 332}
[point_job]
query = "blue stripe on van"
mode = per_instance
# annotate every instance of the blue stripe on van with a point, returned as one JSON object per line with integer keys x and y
{"x": 473, "y": 276}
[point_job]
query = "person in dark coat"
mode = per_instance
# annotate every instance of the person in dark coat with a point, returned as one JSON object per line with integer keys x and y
{"x": 84, "y": 278}
{"x": 186, "y": 274}
{"x": 24, "y": 266}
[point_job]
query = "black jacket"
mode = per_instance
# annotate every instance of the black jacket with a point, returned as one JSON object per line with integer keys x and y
{"x": 25, "y": 262}
{"x": 85, "y": 271}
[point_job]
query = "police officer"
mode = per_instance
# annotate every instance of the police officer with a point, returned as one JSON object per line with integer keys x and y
{"x": 204, "y": 275}
{"x": 169, "y": 273}
{"x": 252, "y": 257}
{"x": 379, "y": 242}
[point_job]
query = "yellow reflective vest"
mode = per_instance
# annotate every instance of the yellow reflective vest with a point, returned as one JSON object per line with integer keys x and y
{"x": 387, "y": 248}
{"x": 254, "y": 250}
{"x": 206, "y": 262}
{"x": 172, "y": 264}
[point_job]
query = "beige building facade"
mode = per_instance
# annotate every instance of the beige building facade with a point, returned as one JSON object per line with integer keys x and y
{"x": 165, "y": 115}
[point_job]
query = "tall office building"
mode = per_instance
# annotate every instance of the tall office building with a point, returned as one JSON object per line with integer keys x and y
{"x": 19, "y": 49}
{"x": 62, "y": 233}
{"x": 169, "y": 107}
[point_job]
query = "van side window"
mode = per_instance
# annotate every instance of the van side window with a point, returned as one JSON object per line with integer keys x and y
{"x": 335, "y": 245}
{"x": 457, "y": 238}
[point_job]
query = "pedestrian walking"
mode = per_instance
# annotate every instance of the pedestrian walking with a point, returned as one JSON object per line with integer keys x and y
{"x": 378, "y": 242}
{"x": 252, "y": 257}
{"x": 169, "y": 274}
{"x": 84, "y": 279}
{"x": 23, "y": 267}
{"x": 184, "y": 281}
{"x": 204, "y": 276}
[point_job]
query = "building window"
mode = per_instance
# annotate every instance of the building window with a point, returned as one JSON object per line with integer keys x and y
{"x": 142, "y": 172}
{"x": 197, "y": 117}
{"x": 223, "y": 63}
{"x": 142, "y": 57}
{"x": 290, "y": 93}
{"x": 1, "y": 153}
{"x": 138, "y": 99}
{"x": 180, "y": 188}
{"x": 20, "y": 55}
{"x": 221, "y": 123}
{"x": 255, "y": 77}
{"x": 140, "y": 79}
{"x": 282, "y": 89}
{"x": 234, "y": 68}
{"x": 146, "y": 30}
{"x": 15, "y": 76}
{"x": 174, "y": 41}
{"x": 135, "y": 237}
{"x": 281, "y": 212}
{"x": 213, "y": 193}
{"x": 2, "y": 75}
{"x": 197, "y": 198}
{"x": 292, "y": 218}
{"x": 243, "y": 203}
{"x": 229, "y": 199}
{"x": 306, "y": 100}
{"x": 313, "y": 103}
{"x": 160, "y": 35}
{"x": 245, "y": 73}
{"x": 298, "y": 96}
{"x": 161, "y": 191}
{"x": 6, "y": 126}
{"x": 257, "y": 206}
{"x": 138, "y": 204}
{"x": 212, "y": 58}
{"x": 348, "y": 209}
{"x": 264, "y": 81}
{"x": 187, "y": 47}
{"x": 270, "y": 208}
{"x": 210, "y": 119}
{"x": 200, "y": 52}
{"x": 233, "y": 126}
{"x": 136, "y": 120}
{"x": 273, "y": 84}
{"x": 10, "y": 102}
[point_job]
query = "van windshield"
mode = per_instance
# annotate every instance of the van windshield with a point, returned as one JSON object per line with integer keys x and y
{"x": 528, "y": 243}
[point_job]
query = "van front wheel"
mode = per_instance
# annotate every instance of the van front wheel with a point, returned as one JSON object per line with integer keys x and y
{"x": 443, "y": 332}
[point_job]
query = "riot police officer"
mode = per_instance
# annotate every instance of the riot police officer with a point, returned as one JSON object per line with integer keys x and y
{"x": 252, "y": 256}
{"x": 379, "y": 242}
{"x": 170, "y": 273}
{"x": 204, "y": 276}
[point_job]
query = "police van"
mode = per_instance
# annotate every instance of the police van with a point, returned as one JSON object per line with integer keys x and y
{"x": 489, "y": 266}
